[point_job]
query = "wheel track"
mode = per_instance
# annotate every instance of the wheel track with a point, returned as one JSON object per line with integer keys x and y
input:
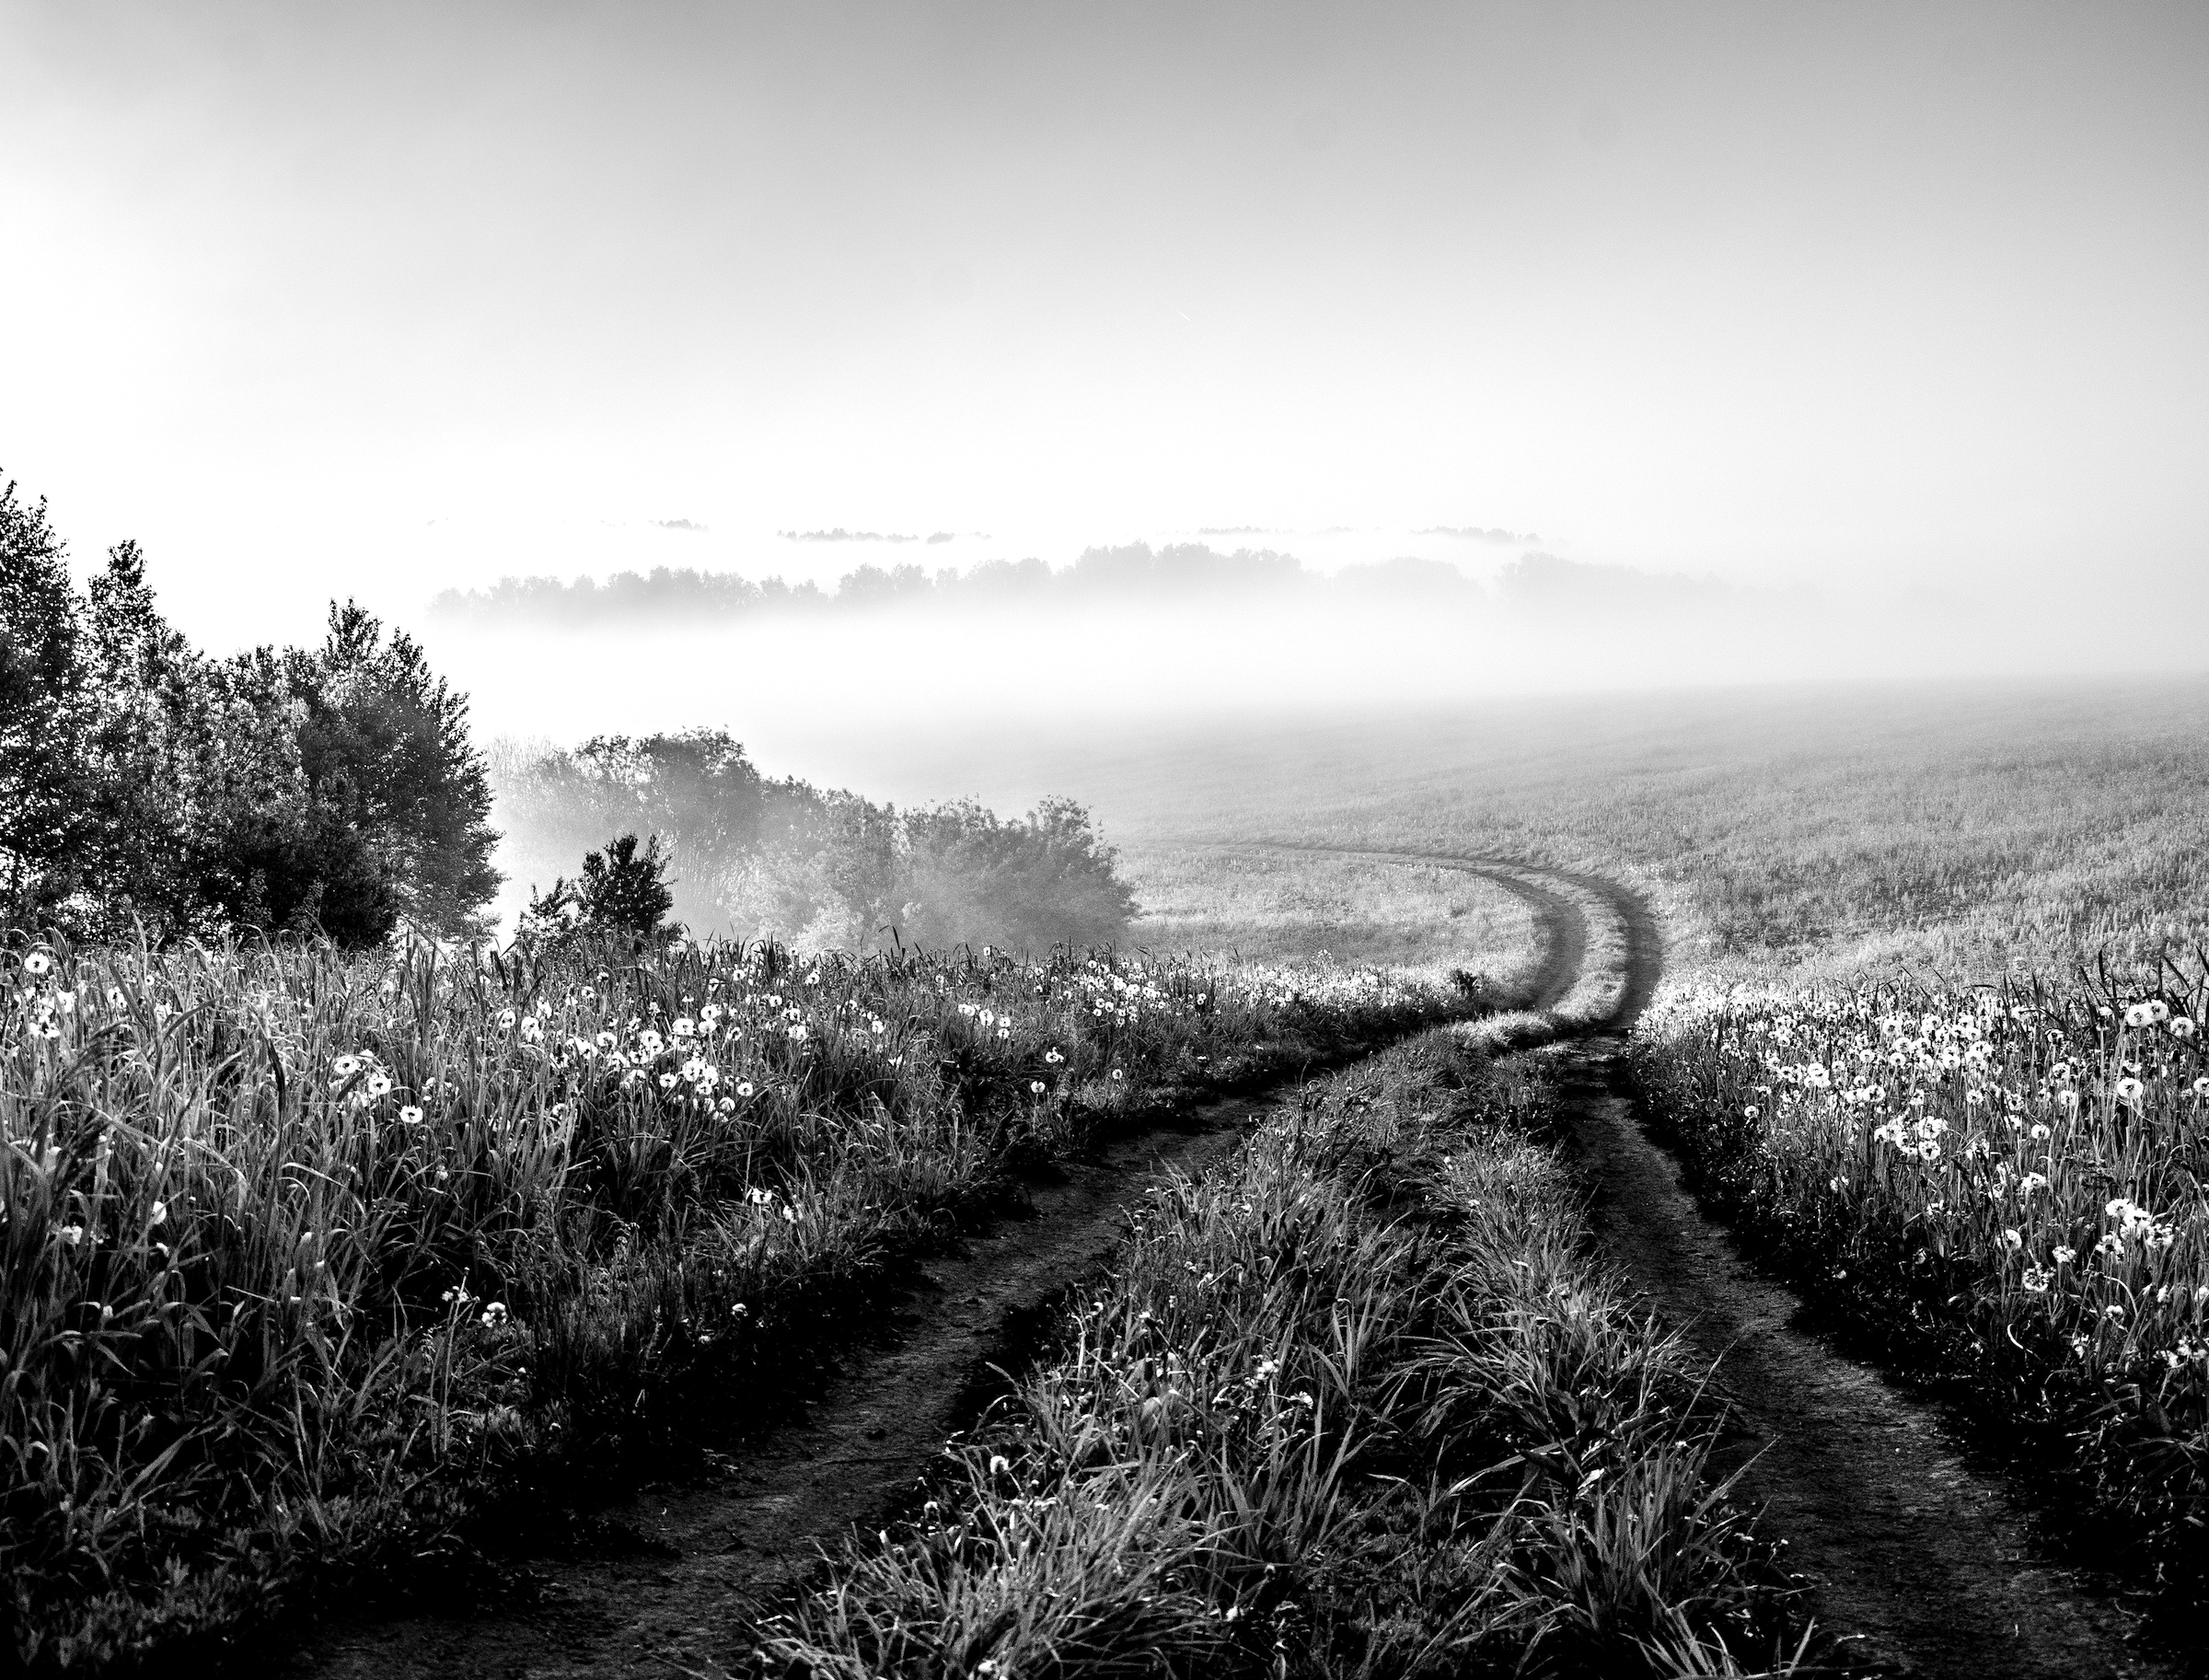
{"x": 695, "y": 1558}
{"x": 1922, "y": 1564}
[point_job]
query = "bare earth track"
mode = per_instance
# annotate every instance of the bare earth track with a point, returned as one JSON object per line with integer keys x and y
{"x": 1922, "y": 1564}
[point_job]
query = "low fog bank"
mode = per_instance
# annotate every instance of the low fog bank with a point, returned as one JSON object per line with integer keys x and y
{"x": 1413, "y": 638}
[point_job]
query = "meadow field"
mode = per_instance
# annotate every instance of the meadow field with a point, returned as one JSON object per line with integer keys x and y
{"x": 1970, "y": 830}
{"x": 319, "y": 1262}
{"x": 311, "y": 1255}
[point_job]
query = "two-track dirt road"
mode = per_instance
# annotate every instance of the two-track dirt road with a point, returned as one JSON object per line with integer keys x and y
{"x": 1924, "y": 1563}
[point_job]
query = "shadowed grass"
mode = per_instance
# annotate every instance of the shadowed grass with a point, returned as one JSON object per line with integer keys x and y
{"x": 308, "y": 1255}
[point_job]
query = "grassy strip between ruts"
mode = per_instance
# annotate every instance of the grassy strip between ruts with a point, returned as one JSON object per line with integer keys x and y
{"x": 1362, "y": 1403}
{"x": 310, "y": 1259}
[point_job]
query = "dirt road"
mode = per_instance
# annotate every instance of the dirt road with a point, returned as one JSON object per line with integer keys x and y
{"x": 675, "y": 1566}
{"x": 1923, "y": 1564}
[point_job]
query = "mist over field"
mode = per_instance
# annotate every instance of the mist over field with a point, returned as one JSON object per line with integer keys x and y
{"x": 960, "y": 838}
{"x": 802, "y": 668}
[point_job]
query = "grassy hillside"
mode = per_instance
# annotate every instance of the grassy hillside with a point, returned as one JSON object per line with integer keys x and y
{"x": 1976, "y": 829}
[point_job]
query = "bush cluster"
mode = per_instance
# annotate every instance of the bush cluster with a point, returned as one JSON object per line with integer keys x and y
{"x": 751, "y": 856}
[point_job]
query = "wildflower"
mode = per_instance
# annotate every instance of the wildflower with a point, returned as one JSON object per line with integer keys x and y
{"x": 494, "y": 1315}
{"x": 409, "y": 1115}
{"x": 1750, "y": 1112}
{"x": 1836, "y": 1185}
{"x": 2063, "y": 1255}
{"x": 666, "y": 1081}
{"x": 2037, "y": 1133}
{"x": 506, "y": 1020}
{"x": 1037, "y": 1087}
{"x": 2036, "y": 1279}
{"x": 1053, "y": 1057}
{"x": 70, "y": 1235}
{"x": 36, "y": 963}
{"x": 2011, "y": 1240}
{"x": 160, "y": 1213}
{"x": 743, "y": 1087}
{"x": 2113, "y": 1311}
{"x": 380, "y": 1084}
{"x": 345, "y": 1066}
{"x": 2182, "y": 1026}
{"x": 797, "y": 1032}
{"x": 2129, "y": 1090}
{"x": 1121, "y": 1074}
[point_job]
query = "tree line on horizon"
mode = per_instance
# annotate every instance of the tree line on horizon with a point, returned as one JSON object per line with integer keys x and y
{"x": 1535, "y": 584}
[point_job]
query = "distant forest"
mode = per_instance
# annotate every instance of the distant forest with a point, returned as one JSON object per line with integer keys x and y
{"x": 1134, "y": 573}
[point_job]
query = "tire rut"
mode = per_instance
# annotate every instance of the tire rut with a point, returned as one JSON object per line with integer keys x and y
{"x": 697, "y": 1556}
{"x": 694, "y": 1560}
{"x": 1918, "y": 1561}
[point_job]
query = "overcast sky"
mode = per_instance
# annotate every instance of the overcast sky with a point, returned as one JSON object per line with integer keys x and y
{"x": 1910, "y": 293}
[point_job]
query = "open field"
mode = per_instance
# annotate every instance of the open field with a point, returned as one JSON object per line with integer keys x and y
{"x": 1279, "y": 907}
{"x": 1973, "y": 829}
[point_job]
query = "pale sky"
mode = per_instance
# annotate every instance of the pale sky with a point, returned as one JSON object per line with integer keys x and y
{"x": 1898, "y": 293}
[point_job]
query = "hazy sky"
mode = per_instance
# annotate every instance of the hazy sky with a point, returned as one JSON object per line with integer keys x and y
{"x": 1910, "y": 293}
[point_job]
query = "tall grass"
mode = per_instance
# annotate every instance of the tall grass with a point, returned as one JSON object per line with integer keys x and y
{"x": 304, "y": 1253}
{"x": 2006, "y": 1182}
{"x": 1362, "y": 1403}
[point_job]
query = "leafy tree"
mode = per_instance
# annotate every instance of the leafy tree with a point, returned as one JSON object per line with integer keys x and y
{"x": 622, "y": 891}
{"x": 383, "y": 747}
{"x": 332, "y": 790}
{"x": 49, "y": 825}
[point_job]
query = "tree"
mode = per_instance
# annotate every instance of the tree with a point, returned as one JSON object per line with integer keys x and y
{"x": 622, "y": 892}
{"x": 332, "y": 790}
{"x": 49, "y": 824}
{"x": 384, "y": 746}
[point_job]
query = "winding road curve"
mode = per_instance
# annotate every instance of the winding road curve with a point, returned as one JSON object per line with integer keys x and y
{"x": 1921, "y": 1563}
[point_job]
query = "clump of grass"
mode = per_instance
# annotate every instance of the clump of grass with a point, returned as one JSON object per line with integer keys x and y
{"x": 2003, "y": 1184}
{"x": 305, "y": 1254}
{"x": 1362, "y": 1403}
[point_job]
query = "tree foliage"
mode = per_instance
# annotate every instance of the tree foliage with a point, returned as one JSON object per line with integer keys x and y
{"x": 332, "y": 790}
{"x": 752, "y": 856}
{"x": 622, "y": 892}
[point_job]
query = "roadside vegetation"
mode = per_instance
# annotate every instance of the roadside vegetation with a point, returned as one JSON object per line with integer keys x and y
{"x": 309, "y": 1254}
{"x": 2003, "y": 1186}
{"x": 1364, "y": 1402}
